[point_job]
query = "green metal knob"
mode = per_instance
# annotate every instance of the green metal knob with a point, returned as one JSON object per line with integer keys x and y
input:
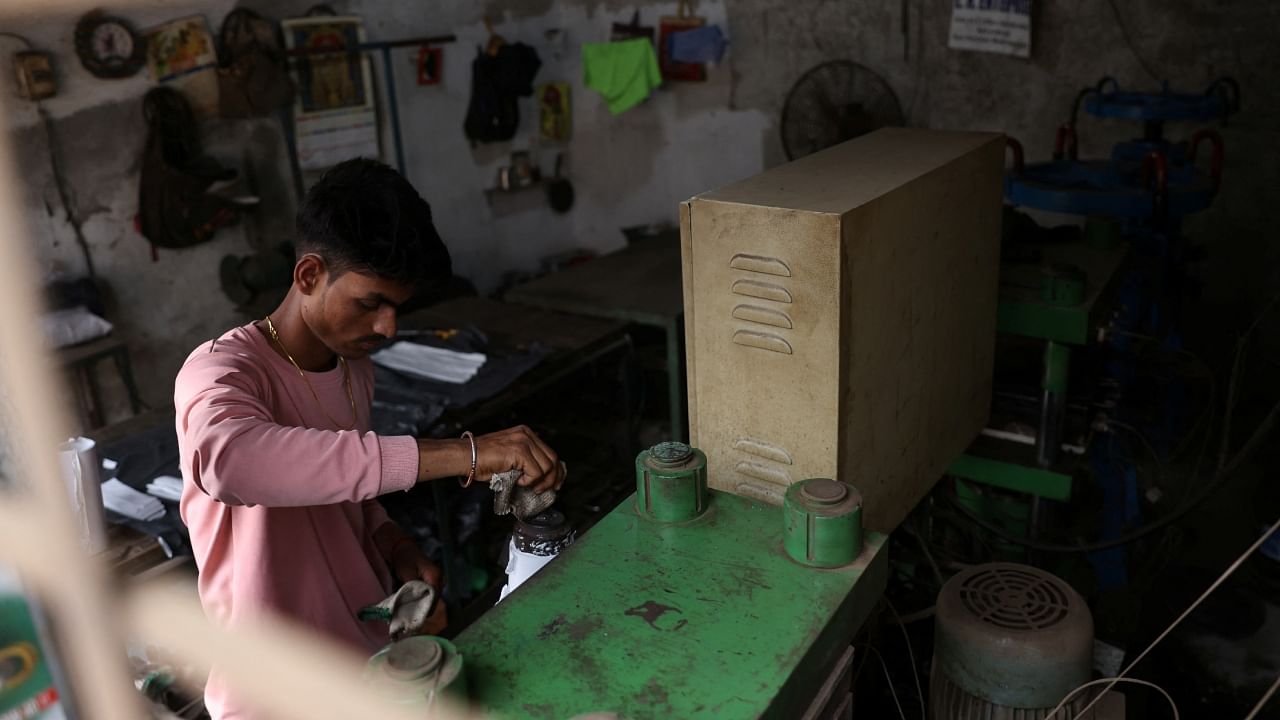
{"x": 823, "y": 523}
{"x": 671, "y": 482}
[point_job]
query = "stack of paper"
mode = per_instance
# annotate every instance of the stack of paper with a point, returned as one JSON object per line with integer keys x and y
{"x": 124, "y": 500}
{"x": 166, "y": 487}
{"x": 431, "y": 363}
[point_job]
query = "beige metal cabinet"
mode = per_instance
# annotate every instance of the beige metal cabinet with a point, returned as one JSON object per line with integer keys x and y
{"x": 840, "y": 316}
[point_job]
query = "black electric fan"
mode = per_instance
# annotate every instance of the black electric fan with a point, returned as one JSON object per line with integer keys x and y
{"x": 833, "y": 102}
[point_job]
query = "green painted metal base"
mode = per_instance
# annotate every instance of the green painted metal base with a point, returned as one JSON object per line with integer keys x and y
{"x": 1023, "y": 310}
{"x": 1011, "y": 513}
{"x": 1042, "y": 482}
{"x": 708, "y": 618}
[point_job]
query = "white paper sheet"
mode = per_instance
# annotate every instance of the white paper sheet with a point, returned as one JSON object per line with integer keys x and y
{"x": 431, "y": 363}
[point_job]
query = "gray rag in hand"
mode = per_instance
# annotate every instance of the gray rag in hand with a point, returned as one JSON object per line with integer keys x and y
{"x": 408, "y": 608}
{"x": 512, "y": 499}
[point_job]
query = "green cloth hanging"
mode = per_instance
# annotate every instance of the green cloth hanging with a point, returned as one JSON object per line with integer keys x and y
{"x": 623, "y": 72}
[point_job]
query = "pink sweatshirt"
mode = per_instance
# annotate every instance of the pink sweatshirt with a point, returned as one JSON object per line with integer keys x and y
{"x": 279, "y": 502}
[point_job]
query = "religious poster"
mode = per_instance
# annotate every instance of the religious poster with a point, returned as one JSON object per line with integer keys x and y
{"x": 334, "y": 112}
{"x": 329, "y": 82}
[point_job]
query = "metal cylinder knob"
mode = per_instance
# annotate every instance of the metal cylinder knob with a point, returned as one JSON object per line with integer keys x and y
{"x": 823, "y": 523}
{"x": 416, "y": 669}
{"x": 535, "y": 542}
{"x": 671, "y": 482}
{"x": 544, "y": 534}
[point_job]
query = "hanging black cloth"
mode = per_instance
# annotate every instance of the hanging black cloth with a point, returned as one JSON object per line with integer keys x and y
{"x": 498, "y": 80}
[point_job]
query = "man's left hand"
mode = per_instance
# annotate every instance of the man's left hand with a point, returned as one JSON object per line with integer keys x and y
{"x": 408, "y": 563}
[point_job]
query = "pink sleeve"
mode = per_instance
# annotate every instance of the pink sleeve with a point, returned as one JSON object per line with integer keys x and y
{"x": 238, "y": 455}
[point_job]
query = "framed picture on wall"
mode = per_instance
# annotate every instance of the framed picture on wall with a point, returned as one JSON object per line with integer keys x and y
{"x": 331, "y": 83}
{"x": 180, "y": 47}
{"x": 335, "y": 118}
{"x": 181, "y": 54}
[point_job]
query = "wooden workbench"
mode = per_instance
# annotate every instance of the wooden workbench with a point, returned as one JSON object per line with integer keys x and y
{"x": 130, "y": 553}
{"x": 638, "y": 284}
{"x": 513, "y": 325}
{"x": 575, "y": 342}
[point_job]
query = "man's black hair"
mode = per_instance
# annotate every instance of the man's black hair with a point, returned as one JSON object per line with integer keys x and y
{"x": 365, "y": 217}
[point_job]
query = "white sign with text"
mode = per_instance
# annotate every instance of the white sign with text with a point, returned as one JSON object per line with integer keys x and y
{"x": 995, "y": 26}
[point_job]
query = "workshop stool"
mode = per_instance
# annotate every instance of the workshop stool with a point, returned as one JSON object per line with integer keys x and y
{"x": 80, "y": 361}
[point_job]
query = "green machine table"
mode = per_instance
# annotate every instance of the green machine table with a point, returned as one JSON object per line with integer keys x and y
{"x": 1060, "y": 298}
{"x": 1027, "y": 309}
{"x": 704, "y": 619}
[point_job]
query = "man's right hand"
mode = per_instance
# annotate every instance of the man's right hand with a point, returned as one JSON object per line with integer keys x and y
{"x": 517, "y": 448}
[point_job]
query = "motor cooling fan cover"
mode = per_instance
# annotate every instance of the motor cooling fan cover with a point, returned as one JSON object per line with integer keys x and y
{"x": 1010, "y": 642}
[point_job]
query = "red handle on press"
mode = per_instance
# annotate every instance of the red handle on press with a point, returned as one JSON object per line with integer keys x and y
{"x": 1016, "y": 147}
{"x": 1219, "y": 149}
{"x": 1065, "y": 140}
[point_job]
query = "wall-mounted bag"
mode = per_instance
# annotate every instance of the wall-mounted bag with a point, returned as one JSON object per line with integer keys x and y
{"x": 174, "y": 209}
{"x": 252, "y": 77}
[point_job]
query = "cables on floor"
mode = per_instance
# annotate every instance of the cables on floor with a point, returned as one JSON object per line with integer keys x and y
{"x": 1111, "y": 682}
{"x": 911, "y": 655}
{"x": 1133, "y": 681}
{"x": 1263, "y": 702}
{"x": 909, "y": 526}
{"x": 1234, "y": 383}
{"x": 887, "y": 678}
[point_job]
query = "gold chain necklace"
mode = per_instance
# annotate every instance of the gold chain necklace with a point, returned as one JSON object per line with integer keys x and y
{"x": 346, "y": 377}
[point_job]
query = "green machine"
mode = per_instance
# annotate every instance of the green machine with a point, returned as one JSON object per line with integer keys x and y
{"x": 1060, "y": 295}
{"x": 685, "y": 602}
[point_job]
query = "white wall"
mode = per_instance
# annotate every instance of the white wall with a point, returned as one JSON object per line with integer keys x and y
{"x": 634, "y": 168}
{"x": 627, "y": 170}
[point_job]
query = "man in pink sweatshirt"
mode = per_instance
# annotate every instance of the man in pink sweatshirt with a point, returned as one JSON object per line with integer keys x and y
{"x": 280, "y": 470}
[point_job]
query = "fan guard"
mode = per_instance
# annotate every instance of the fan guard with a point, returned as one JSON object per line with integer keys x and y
{"x": 834, "y": 102}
